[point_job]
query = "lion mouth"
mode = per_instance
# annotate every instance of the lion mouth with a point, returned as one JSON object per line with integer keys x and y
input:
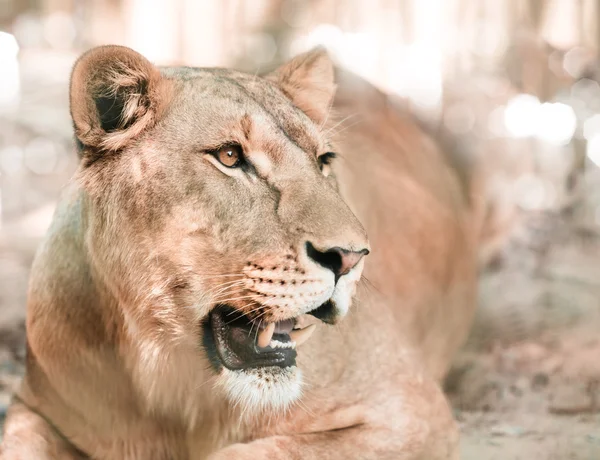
{"x": 235, "y": 341}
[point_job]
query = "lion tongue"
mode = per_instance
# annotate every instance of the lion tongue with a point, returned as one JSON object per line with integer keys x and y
{"x": 299, "y": 336}
{"x": 284, "y": 327}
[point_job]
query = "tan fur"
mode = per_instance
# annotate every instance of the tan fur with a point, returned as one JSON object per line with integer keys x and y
{"x": 153, "y": 232}
{"x": 309, "y": 82}
{"x": 124, "y": 72}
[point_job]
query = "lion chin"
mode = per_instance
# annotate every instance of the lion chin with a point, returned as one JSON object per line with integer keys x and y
{"x": 260, "y": 390}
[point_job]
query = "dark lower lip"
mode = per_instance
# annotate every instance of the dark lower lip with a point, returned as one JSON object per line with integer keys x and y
{"x": 231, "y": 343}
{"x": 230, "y": 340}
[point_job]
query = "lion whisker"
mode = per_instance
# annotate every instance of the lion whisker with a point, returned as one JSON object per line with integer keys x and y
{"x": 262, "y": 314}
{"x": 326, "y": 115}
{"x": 326, "y": 133}
{"x": 247, "y": 312}
{"x": 218, "y": 290}
{"x": 368, "y": 284}
{"x": 210, "y": 275}
{"x": 304, "y": 407}
{"x": 231, "y": 299}
{"x": 345, "y": 128}
{"x": 257, "y": 329}
{"x": 217, "y": 276}
{"x": 242, "y": 314}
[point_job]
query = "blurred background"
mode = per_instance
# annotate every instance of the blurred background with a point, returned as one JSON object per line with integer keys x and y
{"x": 516, "y": 82}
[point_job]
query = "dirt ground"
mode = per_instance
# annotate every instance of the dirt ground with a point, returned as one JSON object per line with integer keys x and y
{"x": 529, "y": 401}
{"x": 527, "y": 385}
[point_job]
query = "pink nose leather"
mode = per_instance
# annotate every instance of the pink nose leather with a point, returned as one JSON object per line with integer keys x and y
{"x": 349, "y": 260}
{"x": 340, "y": 261}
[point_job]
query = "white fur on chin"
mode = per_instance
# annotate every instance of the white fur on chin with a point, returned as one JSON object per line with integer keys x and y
{"x": 262, "y": 389}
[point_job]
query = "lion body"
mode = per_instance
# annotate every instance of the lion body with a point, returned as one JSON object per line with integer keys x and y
{"x": 372, "y": 383}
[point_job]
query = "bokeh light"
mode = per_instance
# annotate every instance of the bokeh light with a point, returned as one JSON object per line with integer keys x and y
{"x": 575, "y": 61}
{"x": 533, "y": 193}
{"x": 556, "y": 123}
{"x": 520, "y": 115}
{"x": 525, "y": 116}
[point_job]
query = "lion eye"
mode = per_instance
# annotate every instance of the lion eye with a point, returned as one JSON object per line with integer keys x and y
{"x": 230, "y": 156}
{"x": 326, "y": 159}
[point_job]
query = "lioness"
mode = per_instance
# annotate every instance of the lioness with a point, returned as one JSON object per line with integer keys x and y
{"x": 180, "y": 306}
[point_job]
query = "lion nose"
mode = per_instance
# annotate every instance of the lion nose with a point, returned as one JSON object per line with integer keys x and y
{"x": 339, "y": 260}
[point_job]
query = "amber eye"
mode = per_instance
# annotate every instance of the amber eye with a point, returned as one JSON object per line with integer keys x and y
{"x": 230, "y": 156}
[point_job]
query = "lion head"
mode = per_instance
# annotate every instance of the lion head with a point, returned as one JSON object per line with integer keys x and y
{"x": 213, "y": 218}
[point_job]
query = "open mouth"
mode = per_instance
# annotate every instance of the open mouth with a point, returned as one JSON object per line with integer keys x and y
{"x": 237, "y": 342}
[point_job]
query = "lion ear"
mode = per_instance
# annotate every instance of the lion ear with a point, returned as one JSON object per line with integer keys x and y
{"x": 115, "y": 95}
{"x": 309, "y": 81}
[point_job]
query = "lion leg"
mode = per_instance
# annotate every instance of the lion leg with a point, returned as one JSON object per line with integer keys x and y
{"x": 28, "y": 436}
{"x": 421, "y": 428}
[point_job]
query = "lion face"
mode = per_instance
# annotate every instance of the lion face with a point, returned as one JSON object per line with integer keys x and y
{"x": 213, "y": 215}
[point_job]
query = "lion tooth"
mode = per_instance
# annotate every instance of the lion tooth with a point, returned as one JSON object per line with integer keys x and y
{"x": 265, "y": 336}
{"x": 302, "y": 335}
